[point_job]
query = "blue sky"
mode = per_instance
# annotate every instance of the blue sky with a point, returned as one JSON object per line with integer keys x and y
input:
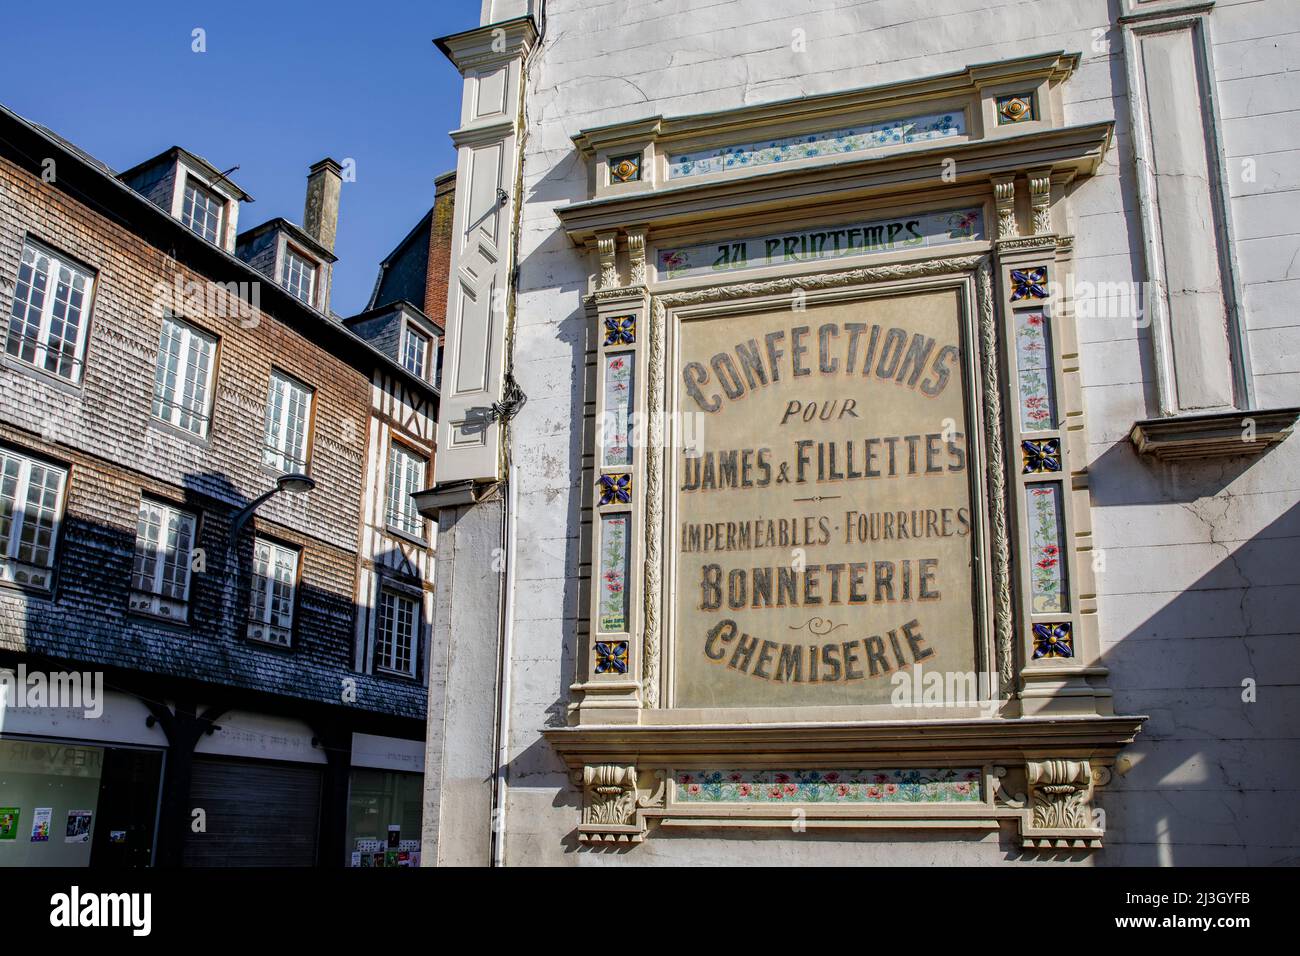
{"x": 283, "y": 83}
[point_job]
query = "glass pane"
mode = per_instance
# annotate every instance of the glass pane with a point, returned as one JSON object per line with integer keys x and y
{"x": 384, "y": 807}
{"x": 36, "y": 538}
{"x": 164, "y": 385}
{"x": 148, "y": 532}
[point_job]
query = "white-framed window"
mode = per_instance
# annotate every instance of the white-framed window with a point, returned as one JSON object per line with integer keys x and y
{"x": 271, "y": 597}
{"x": 299, "y": 275}
{"x": 51, "y": 307}
{"x": 201, "y": 211}
{"x": 397, "y": 630}
{"x": 164, "y": 553}
{"x": 288, "y": 413}
{"x": 182, "y": 386}
{"x": 406, "y": 472}
{"x": 415, "y": 351}
{"x": 31, "y": 507}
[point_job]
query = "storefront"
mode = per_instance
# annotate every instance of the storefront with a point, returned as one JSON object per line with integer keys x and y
{"x": 385, "y": 802}
{"x": 77, "y": 790}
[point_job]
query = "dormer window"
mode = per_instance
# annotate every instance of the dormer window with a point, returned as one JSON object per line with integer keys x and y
{"x": 201, "y": 211}
{"x": 415, "y": 351}
{"x": 299, "y": 275}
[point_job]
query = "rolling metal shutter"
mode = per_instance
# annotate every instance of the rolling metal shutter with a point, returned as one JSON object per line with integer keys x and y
{"x": 258, "y": 813}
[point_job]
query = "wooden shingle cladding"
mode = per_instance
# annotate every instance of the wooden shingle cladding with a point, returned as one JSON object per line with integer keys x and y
{"x": 147, "y": 266}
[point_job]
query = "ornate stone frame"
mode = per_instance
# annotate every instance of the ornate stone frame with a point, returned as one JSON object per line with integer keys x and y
{"x": 1037, "y": 749}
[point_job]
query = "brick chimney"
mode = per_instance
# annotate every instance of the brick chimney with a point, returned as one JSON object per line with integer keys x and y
{"x": 320, "y": 215}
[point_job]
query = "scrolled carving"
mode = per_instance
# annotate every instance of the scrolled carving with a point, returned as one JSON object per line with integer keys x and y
{"x": 654, "y": 508}
{"x": 1022, "y": 243}
{"x": 1004, "y": 195}
{"x": 636, "y": 256}
{"x": 1002, "y": 617}
{"x": 606, "y": 248}
{"x": 609, "y": 795}
{"x": 1040, "y": 199}
{"x": 1003, "y": 797}
{"x": 1059, "y": 790}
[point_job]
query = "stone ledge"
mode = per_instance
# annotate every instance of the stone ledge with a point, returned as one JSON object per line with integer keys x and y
{"x": 1216, "y": 435}
{"x": 1038, "y": 774}
{"x": 820, "y": 743}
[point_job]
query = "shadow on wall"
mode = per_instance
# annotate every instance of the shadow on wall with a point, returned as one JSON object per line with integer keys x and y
{"x": 89, "y": 620}
{"x": 191, "y": 671}
{"x": 1214, "y": 663}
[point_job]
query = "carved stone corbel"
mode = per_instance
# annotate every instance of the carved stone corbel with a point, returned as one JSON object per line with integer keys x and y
{"x": 607, "y": 249}
{"x": 636, "y": 256}
{"x": 1060, "y": 812}
{"x": 1004, "y": 195}
{"x": 609, "y": 805}
{"x": 1040, "y": 200}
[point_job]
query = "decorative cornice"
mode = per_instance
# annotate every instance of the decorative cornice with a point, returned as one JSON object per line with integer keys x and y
{"x": 1054, "y": 66}
{"x": 1070, "y": 151}
{"x": 1004, "y": 198}
{"x": 1217, "y": 435}
{"x": 841, "y": 744}
{"x": 1025, "y": 243}
{"x": 489, "y": 45}
{"x": 1143, "y": 12}
{"x": 617, "y": 294}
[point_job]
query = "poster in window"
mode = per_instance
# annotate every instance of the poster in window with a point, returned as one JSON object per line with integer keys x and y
{"x": 9, "y": 823}
{"x": 41, "y": 824}
{"x": 78, "y": 830}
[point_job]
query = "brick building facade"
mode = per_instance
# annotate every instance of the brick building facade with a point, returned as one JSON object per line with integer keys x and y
{"x": 266, "y": 695}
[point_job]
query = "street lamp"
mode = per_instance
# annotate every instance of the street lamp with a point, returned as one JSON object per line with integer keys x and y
{"x": 295, "y": 483}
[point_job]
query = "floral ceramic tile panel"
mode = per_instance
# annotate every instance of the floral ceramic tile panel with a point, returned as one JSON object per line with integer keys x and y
{"x": 835, "y": 142}
{"x": 616, "y": 435}
{"x": 1047, "y": 564}
{"x": 1034, "y": 369}
{"x": 830, "y": 786}
{"x": 613, "y": 572}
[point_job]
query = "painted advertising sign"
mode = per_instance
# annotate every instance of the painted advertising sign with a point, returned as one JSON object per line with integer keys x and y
{"x": 823, "y": 243}
{"x": 823, "y": 517}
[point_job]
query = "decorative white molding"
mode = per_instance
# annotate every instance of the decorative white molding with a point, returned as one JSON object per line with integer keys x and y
{"x": 636, "y": 256}
{"x": 1071, "y": 754}
{"x": 1040, "y": 201}
{"x": 999, "y": 545}
{"x": 652, "y": 635}
{"x": 738, "y": 126}
{"x": 1004, "y": 196}
{"x": 607, "y": 250}
{"x": 1198, "y": 368}
{"x": 1218, "y": 435}
{"x": 1069, "y": 151}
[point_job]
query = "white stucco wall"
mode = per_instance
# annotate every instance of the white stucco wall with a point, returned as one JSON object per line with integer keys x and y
{"x": 1201, "y": 586}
